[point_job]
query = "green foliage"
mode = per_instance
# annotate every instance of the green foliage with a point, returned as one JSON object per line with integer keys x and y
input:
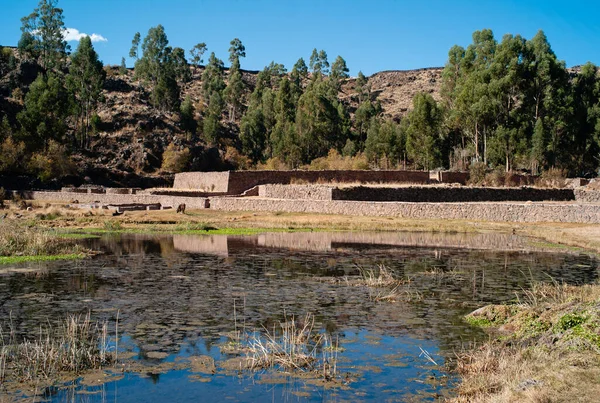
{"x": 236, "y": 50}
{"x": 513, "y": 102}
{"x": 85, "y": 80}
{"x": 386, "y": 143}
{"x": 234, "y": 90}
{"x": 161, "y": 66}
{"x": 320, "y": 122}
{"x": 423, "y": 137}
{"x": 362, "y": 87}
{"x": 188, "y": 120}
{"x": 43, "y": 35}
{"x": 197, "y": 51}
{"x": 134, "y": 52}
{"x": 123, "y": 67}
{"x": 45, "y": 110}
{"x": 318, "y": 62}
{"x": 570, "y": 320}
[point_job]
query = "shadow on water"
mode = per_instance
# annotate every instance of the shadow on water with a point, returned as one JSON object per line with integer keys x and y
{"x": 180, "y": 296}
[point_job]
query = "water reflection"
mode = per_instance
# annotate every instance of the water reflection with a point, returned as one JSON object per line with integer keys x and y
{"x": 182, "y": 294}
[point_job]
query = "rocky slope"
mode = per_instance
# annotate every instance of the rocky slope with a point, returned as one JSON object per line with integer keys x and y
{"x": 133, "y": 134}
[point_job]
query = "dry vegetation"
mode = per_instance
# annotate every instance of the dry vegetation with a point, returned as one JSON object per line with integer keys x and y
{"x": 75, "y": 345}
{"x": 546, "y": 349}
{"x": 20, "y": 239}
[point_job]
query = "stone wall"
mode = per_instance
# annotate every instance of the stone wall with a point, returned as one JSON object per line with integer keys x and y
{"x": 170, "y": 201}
{"x": 587, "y": 195}
{"x": 236, "y": 182}
{"x": 310, "y": 192}
{"x": 214, "y": 182}
{"x": 450, "y": 194}
{"x": 500, "y": 212}
{"x": 489, "y": 211}
{"x": 454, "y": 177}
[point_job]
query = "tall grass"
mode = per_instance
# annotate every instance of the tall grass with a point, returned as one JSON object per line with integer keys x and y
{"x": 23, "y": 240}
{"x": 294, "y": 345}
{"x": 74, "y": 345}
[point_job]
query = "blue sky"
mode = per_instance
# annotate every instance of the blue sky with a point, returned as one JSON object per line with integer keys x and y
{"x": 370, "y": 35}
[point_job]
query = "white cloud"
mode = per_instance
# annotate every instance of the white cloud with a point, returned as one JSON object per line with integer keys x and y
{"x": 72, "y": 34}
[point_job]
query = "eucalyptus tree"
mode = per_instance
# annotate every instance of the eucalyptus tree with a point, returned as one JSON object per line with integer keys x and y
{"x": 85, "y": 80}
{"x": 43, "y": 35}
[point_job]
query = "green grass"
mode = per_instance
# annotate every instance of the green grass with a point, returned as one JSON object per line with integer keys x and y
{"x": 557, "y": 246}
{"x": 39, "y": 258}
{"x": 479, "y": 322}
{"x": 195, "y": 229}
{"x": 76, "y": 235}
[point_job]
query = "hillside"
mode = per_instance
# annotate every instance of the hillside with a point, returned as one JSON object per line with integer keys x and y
{"x": 133, "y": 133}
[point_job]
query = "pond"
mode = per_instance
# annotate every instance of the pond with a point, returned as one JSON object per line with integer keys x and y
{"x": 191, "y": 309}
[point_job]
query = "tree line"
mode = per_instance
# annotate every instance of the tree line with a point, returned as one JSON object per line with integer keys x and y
{"x": 510, "y": 104}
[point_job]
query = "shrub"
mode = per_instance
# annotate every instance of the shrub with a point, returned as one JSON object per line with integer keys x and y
{"x": 552, "y": 178}
{"x": 11, "y": 155}
{"x": 477, "y": 173}
{"x": 175, "y": 160}
{"x": 53, "y": 163}
{"x": 233, "y": 156}
{"x": 273, "y": 164}
{"x": 337, "y": 162}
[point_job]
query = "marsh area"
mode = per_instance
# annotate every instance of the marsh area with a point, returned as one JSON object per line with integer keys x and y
{"x": 188, "y": 304}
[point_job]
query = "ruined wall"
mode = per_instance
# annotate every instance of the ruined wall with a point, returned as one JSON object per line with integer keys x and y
{"x": 216, "y": 182}
{"x": 171, "y": 201}
{"x": 500, "y": 212}
{"x": 587, "y": 195}
{"x": 454, "y": 177}
{"x": 310, "y": 192}
{"x": 242, "y": 180}
{"x": 236, "y": 182}
{"x": 451, "y": 194}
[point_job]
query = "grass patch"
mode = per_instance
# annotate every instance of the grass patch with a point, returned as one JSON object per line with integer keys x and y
{"x": 188, "y": 229}
{"x": 76, "y": 235}
{"x": 40, "y": 258}
{"x": 75, "y": 345}
{"x": 20, "y": 242}
{"x": 548, "y": 349}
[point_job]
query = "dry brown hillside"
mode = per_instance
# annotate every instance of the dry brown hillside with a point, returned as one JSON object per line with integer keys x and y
{"x": 134, "y": 134}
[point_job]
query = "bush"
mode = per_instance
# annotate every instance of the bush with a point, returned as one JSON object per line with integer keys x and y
{"x": 273, "y": 164}
{"x": 552, "y": 178}
{"x": 11, "y": 155}
{"x": 477, "y": 173}
{"x": 175, "y": 160}
{"x": 334, "y": 161}
{"x": 53, "y": 163}
{"x": 233, "y": 156}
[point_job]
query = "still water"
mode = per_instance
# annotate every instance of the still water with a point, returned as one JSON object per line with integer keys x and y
{"x": 180, "y": 298}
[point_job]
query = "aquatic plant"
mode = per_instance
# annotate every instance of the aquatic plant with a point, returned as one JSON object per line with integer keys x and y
{"x": 294, "y": 345}
{"x": 380, "y": 277}
{"x": 75, "y": 345}
{"x": 23, "y": 240}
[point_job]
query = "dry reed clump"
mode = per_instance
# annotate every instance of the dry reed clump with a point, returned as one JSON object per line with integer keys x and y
{"x": 22, "y": 240}
{"x": 549, "y": 349}
{"x": 75, "y": 345}
{"x": 552, "y": 178}
{"x": 294, "y": 345}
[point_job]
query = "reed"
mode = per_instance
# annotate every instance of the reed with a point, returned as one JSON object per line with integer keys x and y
{"x": 295, "y": 345}
{"x": 75, "y": 345}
